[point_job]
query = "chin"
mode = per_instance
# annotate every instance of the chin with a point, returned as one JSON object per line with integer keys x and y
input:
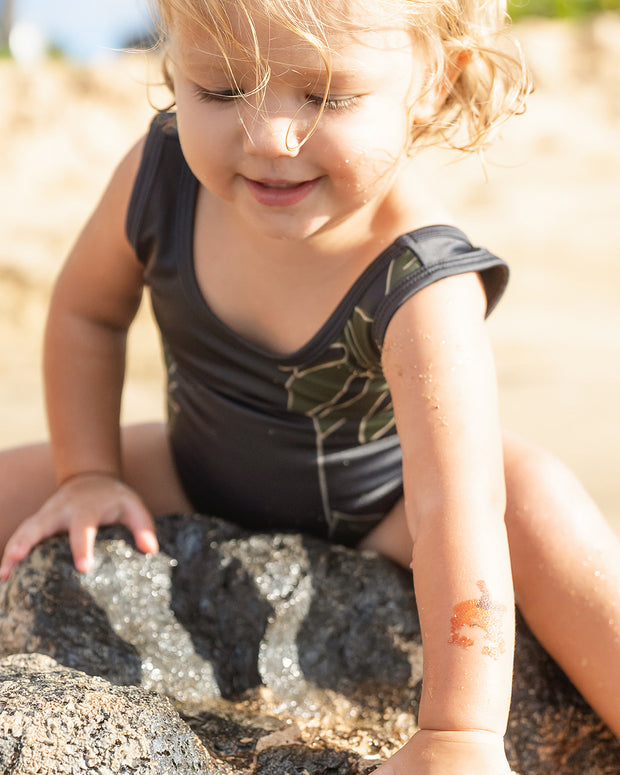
{"x": 294, "y": 231}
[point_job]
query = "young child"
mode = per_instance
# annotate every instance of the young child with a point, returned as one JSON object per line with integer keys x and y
{"x": 322, "y": 321}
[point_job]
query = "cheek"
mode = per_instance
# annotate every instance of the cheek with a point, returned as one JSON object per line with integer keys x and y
{"x": 373, "y": 151}
{"x": 382, "y": 129}
{"x": 201, "y": 140}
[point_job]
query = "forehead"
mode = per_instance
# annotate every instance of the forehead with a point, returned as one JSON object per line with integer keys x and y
{"x": 313, "y": 16}
{"x": 347, "y": 35}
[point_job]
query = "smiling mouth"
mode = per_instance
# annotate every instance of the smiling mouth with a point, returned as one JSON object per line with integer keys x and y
{"x": 280, "y": 193}
{"x": 279, "y": 183}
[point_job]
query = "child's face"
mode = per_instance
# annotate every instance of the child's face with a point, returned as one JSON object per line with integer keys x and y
{"x": 262, "y": 152}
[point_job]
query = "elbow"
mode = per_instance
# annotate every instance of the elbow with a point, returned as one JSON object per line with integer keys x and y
{"x": 479, "y": 509}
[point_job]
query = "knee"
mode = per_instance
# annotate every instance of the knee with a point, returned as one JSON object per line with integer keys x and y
{"x": 544, "y": 499}
{"x": 533, "y": 475}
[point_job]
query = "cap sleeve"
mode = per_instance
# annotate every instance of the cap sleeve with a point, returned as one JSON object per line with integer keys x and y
{"x": 431, "y": 254}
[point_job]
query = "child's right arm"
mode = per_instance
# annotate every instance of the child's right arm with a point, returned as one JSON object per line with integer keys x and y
{"x": 94, "y": 302}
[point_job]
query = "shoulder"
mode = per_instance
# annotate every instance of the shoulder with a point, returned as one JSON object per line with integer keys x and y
{"x": 103, "y": 241}
{"x": 101, "y": 276}
{"x": 108, "y": 218}
{"x": 123, "y": 178}
{"x": 104, "y": 230}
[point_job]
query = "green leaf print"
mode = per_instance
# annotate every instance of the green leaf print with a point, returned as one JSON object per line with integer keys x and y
{"x": 403, "y": 266}
{"x": 347, "y": 384}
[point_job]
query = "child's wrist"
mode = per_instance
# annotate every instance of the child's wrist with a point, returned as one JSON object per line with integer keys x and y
{"x": 468, "y": 717}
{"x": 477, "y": 736}
{"x": 94, "y": 472}
{"x": 440, "y": 751}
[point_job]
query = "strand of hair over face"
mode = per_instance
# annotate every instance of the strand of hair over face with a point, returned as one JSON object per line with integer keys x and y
{"x": 232, "y": 28}
{"x": 468, "y": 35}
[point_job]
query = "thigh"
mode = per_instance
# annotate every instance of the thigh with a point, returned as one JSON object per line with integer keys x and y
{"x": 27, "y": 480}
{"x": 149, "y": 469}
{"x": 552, "y": 522}
{"x": 27, "y": 477}
{"x": 391, "y": 537}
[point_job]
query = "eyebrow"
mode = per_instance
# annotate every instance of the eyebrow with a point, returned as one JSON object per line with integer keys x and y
{"x": 310, "y": 78}
{"x": 199, "y": 64}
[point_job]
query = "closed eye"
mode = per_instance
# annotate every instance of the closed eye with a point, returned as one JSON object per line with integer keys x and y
{"x": 224, "y": 95}
{"x": 333, "y": 103}
{"x": 320, "y": 100}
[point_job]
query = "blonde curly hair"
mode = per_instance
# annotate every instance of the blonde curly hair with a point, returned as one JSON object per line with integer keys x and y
{"x": 469, "y": 38}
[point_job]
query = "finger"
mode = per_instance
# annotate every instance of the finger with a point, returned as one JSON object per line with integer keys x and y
{"x": 138, "y": 519}
{"x": 82, "y": 540}
{"x": 9, "y": 561}
{"x": 14, "y": 552}
{"x": 31, "y": 532}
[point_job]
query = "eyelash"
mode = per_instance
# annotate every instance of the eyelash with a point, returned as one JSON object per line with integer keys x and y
{"x": 214, "y": 96}
{"x": 334, "y": 103}
{"x": 331, "y": 103}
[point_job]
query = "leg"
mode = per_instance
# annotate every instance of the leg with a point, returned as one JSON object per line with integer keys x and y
{"x": 27, "y": 477}
{"x": 391, "y": 537}
{"x": 566, "y": 570}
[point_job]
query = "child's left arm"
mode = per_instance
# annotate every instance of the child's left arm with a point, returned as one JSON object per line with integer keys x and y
{"x": 438, "y": 363}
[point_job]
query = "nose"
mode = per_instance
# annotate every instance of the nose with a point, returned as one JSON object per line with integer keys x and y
{"x": 272, "y": 129}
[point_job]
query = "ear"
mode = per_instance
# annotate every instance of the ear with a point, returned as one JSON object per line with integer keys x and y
{"x": 428, "y": 105}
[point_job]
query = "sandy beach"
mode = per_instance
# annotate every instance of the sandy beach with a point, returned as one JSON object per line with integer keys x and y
{"x": 549, "y": 206}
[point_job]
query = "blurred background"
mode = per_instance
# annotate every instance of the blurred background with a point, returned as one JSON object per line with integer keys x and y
{"x": 82, "y": 30}
{"x": 547, "y": 199}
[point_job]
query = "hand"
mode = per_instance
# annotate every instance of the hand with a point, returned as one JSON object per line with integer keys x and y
{"x": 79, "y": 507}
{"x": 431, "y": 752}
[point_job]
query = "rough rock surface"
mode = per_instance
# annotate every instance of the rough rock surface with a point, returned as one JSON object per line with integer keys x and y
{"x": 57, "y": 720}
{"x": 281, "y": 652}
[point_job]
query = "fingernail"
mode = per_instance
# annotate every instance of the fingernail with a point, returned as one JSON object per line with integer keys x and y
{"x": 84, "y": 566}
